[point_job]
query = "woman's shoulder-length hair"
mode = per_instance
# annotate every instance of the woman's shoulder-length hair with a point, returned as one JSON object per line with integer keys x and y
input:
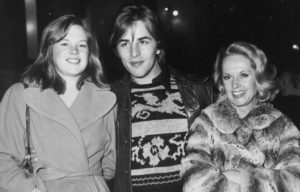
{"x": 43, "y": 73}
{"x": 265, "y": 72}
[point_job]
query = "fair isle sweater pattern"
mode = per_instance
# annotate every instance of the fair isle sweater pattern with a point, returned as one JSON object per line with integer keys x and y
{"x": 159, "y": 131}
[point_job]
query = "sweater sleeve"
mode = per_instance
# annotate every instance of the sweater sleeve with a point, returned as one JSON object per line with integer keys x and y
{"x": 109, "y": 158}
{"x": 12, "y": 149}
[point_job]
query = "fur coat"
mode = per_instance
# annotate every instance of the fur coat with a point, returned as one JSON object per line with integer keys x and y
{"x": 257, "y": 153}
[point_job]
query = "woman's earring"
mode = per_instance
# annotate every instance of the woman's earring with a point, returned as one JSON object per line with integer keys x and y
{"x": 157, "y": 52}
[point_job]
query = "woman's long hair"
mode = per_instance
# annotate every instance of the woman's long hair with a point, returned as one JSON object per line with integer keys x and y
{"x": 43, "y": 73}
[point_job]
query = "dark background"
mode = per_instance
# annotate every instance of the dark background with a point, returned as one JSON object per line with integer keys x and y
{"x": 192, "y": 38}
{"x": 192, "y": 41}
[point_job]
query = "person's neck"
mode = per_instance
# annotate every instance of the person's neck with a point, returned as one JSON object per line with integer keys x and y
{"x": 243, "y": 111}
{"x": 156, "y": 71}
{"x": 71, "y": 92}
{"x": 71, "y": 83}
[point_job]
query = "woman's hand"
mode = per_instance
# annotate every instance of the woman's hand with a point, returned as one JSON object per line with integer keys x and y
{"x": 28, "y": 163}
{"x": 33, "y": 158}
{"x": 239, "y": 176}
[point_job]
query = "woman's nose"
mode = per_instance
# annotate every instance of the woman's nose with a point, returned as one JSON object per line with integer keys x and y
{"x": 235, "y": 83}
{"x": 74, "y": 49}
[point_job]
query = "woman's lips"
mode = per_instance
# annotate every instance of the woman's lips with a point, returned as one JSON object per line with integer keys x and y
{"x": 73, "y": 61}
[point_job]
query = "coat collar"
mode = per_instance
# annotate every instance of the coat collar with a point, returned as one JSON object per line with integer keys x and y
{"x": 91, "y": 104}
{"x": 226, "y": 119}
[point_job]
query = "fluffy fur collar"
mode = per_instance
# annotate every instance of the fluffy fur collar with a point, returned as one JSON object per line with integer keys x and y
{"x": 226, "y": 119}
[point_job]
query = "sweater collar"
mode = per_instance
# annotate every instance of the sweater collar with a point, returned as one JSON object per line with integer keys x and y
{"x": 163, "y": 78}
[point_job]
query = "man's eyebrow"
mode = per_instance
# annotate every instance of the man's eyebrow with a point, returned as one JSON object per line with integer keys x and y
{"x": 140, "y": 38}
{"x": 123, "y": 40}
{"x": 145, "y": 38}
{"x": 82, "y": 40}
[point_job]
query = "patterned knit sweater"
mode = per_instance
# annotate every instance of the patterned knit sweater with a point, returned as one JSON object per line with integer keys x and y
{"x": 258, "y": 153}
{"x": 159, "y": 131}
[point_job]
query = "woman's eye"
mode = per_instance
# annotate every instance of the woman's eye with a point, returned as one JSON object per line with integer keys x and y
{"x": 244, "y": 75}
{"x": 226, "y": 77}
{"x": 83, "y": 45}
{"x": 64, "y": 44}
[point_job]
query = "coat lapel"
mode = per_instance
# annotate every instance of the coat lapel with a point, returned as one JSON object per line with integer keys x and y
{"x": 91, "y": 104}
{"x": 227, "y": 121}
{"x": 48, "y": 104}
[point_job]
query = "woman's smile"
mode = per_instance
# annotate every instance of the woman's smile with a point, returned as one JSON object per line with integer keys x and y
{"x": 73, "y": 61}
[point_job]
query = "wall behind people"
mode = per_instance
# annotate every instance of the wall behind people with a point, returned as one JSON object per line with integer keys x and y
{"x": 12, "y": 42}
{"x": 13, "y": 47}
{"x": 288, "y": 99}
{"x": 200, "y": 28}
{"x": 193, "y": 36}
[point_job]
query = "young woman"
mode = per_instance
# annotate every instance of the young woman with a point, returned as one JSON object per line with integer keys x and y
{"x": 57, "y": 127}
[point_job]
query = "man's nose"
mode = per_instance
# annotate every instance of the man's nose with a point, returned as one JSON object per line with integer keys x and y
{"x": 134, "y": 50}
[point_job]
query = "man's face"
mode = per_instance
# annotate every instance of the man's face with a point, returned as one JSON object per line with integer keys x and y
{"x": 137, "y": 50}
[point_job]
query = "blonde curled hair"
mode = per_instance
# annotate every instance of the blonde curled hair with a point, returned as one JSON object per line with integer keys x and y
{"x": 265, "y": 73}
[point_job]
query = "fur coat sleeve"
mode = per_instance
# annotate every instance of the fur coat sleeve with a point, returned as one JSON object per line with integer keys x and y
{"x": 259, "y": 153}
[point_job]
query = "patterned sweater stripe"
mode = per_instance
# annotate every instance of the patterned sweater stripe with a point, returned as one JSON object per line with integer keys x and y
{"x": 159, "y": 131}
